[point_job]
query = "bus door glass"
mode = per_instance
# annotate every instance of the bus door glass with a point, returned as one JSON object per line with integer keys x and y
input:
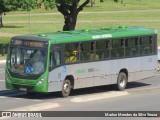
{"x": 55, "y": 56}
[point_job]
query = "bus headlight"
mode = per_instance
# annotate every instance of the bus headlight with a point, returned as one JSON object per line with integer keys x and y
{"x": 41, "y": 81}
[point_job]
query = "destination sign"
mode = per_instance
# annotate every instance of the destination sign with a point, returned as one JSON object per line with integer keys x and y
{"x": 29, "y": 43}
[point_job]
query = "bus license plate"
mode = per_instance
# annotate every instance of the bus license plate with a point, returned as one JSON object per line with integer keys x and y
{"x": 23, "y": 89}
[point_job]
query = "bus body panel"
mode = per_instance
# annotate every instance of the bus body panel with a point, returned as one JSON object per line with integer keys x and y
{"x": 55, "y": 79}
{"x": 103, "y": 72}
{"x": 27, "y": 85}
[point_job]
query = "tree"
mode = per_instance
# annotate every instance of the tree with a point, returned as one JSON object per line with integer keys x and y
{"x": 3, "y": 8}
{"x": 93, "y": 2}
{"x": 10, "y": 5}
{"x": 69, "y": 9}
{"x": 70, "y": 12}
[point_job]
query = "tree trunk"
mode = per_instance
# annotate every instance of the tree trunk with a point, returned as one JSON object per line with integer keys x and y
{"x": 93, "y": 3}
{"x": 70, "y": 22}
{"x": 1, "y": 23}
{"x": 70, "y": 14}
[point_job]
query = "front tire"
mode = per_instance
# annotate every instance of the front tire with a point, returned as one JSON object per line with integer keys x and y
{"x": 66, "y": 88}
{"x": 121, "y": 81}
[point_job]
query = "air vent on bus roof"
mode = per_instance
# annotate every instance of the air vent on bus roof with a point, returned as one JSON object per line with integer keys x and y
{"x": 106, "y": 28}
{"x": 123, "y": 27}
{"x": 71, "y": 32}
{"x": 42, "y": 35}
{"x": 65, "y": 31}
{"x": 85, "y": 30}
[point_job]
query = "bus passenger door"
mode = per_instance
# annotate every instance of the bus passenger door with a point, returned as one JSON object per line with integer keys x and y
{"x": 55, "y": 75}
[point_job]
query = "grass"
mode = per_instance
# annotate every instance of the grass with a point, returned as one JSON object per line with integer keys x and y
{"x": 50, "y": 23}
{"x": 108, "y": 5}
{"x": 17, "y": 22}
{"x": 4, "y": 40}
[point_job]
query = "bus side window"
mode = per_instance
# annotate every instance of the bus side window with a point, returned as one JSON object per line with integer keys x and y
{"x": 122, "y": 43}
{"x": 141, "y": 45}
{"x": 144, "y": 45}
{"x": 121, "y": 47}
{"x": 134, "y": 47}
{"x": 101, "y": 50}
{"x": 54, "y": 58}
{"x": 108, "y": 49}
{"x": 86, "y": 51}
{"x": 79, "y": 51}
{"x": 151, "y": 45}
{"x": 154, "y": 44}
{"x": 93, "y": 55}
{"x": 115, "y": 45}
{"x": 71, "y": 53}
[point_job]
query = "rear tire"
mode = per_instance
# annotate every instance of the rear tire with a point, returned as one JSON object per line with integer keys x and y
{"x": 121, "y": 81}
{"x": 158, "y": 66}
{"x": 66, "y": 88}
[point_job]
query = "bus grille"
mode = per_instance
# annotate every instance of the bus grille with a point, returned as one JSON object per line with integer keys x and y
{"x": 23, "y": 86}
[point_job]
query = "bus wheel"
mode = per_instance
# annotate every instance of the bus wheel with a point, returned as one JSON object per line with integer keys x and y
{"x": 66, "y": 88}
{"x": 121, "y": 81}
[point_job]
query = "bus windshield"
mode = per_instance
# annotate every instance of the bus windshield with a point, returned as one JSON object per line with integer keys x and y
{"x": 27, "y": 61}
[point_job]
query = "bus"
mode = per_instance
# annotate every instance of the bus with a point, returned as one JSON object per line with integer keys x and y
{"x": 66, "y": 60}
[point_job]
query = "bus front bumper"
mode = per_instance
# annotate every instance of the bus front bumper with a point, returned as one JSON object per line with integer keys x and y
{"x": 27, "y": 85}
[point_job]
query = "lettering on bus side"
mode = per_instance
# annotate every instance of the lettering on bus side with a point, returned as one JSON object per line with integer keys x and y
{"x": 91, "y": 69}
{"x": 102, "y": 36}
{"x": 80, "y": 71}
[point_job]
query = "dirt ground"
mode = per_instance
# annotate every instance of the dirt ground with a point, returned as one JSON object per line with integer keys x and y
{"x": 2, "y": 34}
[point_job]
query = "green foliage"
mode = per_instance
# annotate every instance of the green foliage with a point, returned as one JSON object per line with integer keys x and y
{"x": 115, "y": 1}
{"x": 68, "y": 2}
{"x": 17, "y": 22}
{"x": 6, "y": 5}
{"x": 4, "y": 40}
{"x": 50, "y": 4}
{"x": 47, "y": 3}
{"x": 27, "y": 4}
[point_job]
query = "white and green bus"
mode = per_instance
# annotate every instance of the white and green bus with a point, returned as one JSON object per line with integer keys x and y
{"x": 62, "y": 61}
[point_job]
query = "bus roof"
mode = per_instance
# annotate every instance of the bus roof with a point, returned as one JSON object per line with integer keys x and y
{"x": 94, "y": 34}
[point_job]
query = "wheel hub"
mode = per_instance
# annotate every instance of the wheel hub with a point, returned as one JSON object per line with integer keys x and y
{"x": 122, "y": 82}
{"x": 66, "y": 87}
